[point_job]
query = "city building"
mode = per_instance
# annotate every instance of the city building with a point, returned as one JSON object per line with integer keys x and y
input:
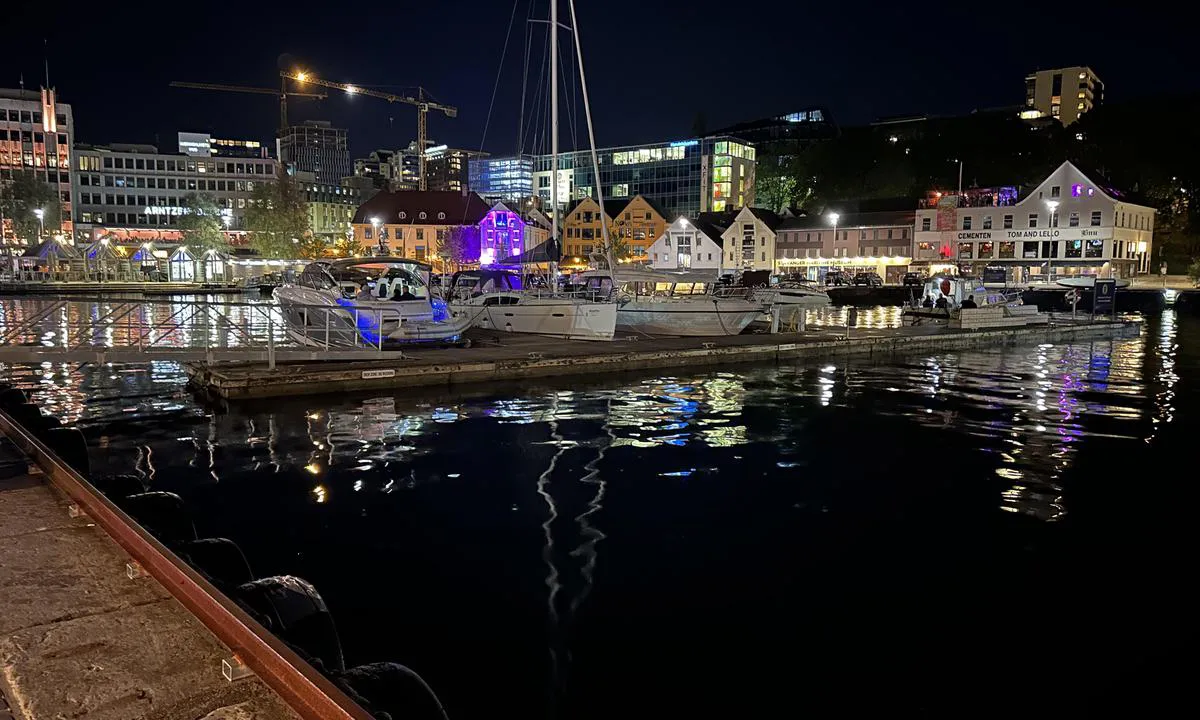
{"x": 37, "y": 134}
{"x": 502, "y": 235}
{"x": 501, "y": 179}
{"x": 684, "y": 177}
{"x": 878, "y": 242}
{"x": 134, "y": 193}
{"x": 749, "y": 241}
{"x": 638, "y": 221}
{"x": 330, "y": 207}
{"x": 378, "y": 168}
{"x": 448, "y": 168}
{"x": 695, "y": 245}
{"x": 317, "y": 147}
{"x": 783, "y": 132}
{"x": 1069, "y": 225}
{"x": 413, "y": 223}
{"x": 583, "y": 230}
{"x": 1064, "y": 94}
{"x": 364, "y": 187}
{"x": 205, "y": 145}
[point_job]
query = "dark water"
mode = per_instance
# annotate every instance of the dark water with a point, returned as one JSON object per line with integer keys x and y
{"x": 1008, "y": 530}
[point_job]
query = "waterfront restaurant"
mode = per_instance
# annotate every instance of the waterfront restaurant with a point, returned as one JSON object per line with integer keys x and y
{"x": 1067, "y": 226}
{"x": 814, "y": 245}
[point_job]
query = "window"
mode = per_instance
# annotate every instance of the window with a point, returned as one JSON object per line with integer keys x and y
{"x": 710, "y": 256}
{"x": 420, "y": 233}
{"x": 1049, "y": 248}
{"x": 965, "y": 250}
{"x": 1029, "y": 250}
{"x": 764, "y": 256}
{"x": 1055, "y": 191}
{"x": 925, "y": 223}
{"x": 403, "y": 215}
{"x": 966, "y": 223}
{"x": 421, "y": 216}
{"x": 1073, "y": 220}
{"x": 441, "y": 216}
{"x": 1054, "y": 219}
{"x": 1074, "y": 248}
{"x": 987, "y": 222}
{"x": 1033, "y": 218}
{"x": 985, "y": 249}
{"x": 1008, "y": 219}
{"x": 367, "y": 233}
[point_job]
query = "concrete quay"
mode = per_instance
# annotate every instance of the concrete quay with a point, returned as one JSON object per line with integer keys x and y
{"x": 499, "y": 356}
{"x": 79, "y": 638}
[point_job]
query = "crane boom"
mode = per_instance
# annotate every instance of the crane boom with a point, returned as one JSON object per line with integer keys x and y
{"x": 423, "y": 107}
{"x": 282, "y": 93}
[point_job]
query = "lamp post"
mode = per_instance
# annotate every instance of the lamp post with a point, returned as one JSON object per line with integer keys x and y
{"x": 833, "y": 220}
{"x": 375, "y": 223}
{"x": 1052, "y": 206}
{"x": 41, "y": 216}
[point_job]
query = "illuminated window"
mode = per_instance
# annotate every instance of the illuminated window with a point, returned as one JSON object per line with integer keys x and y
{"x": 1095, "y": 218}
{"x": 1083, "y": 76}
{"x": 966, "y": 224}
{"x": 987, "y": 224}
{"x": 421, "y": 215}
{"x": 1073, "y": 221}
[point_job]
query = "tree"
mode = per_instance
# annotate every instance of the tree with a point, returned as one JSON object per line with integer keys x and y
{"x": 311, "y": 246}
{"x": 452, "y": 247}
{"x": 277, "y": 218}
{"x": 201, "y": 224}
{"x": 618, "y": 247}
{"x": 1194, "y": 271}
{"x": 23, "y": 194}
{"x": 347, "y": 246}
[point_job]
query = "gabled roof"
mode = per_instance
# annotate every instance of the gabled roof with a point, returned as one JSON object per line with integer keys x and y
{"x": 720, "y": 220}
{"x": 767, "y": 217}
{"x": 441, "y": 207}
{"x": 712, "y": 232}
{"x": 615, "y": 206}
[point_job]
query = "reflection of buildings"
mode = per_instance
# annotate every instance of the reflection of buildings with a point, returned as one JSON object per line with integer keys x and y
{"x": 37, "y": 134}
{"x": 1068, "y": 223}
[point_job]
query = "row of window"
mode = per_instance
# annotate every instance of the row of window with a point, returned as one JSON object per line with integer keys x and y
{"x": 29, "y": 117}
{"x": 31, "y": 136}
{"x": 900, "y": 233}
{"x": 151, "y": 183}
{"x": 398, "y": 233}
{"x": 682, "y": 258}
{"x": 93, "y": 163}
{"x": 34, "y": 160}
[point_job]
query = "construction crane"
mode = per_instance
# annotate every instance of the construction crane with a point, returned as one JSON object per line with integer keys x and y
{"x": 282, "y": 93}
{"x": 422, "y": 104}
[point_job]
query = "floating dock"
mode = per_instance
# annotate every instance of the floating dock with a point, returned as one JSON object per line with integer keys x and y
{"x": 500, "y": 356}
{"x": 55, "y": 287}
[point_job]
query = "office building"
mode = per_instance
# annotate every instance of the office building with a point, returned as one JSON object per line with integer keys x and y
{"x": 1068, "y": 226}
{"x": 134, "y": 193}
{"x": 316, "y": 147}
{"x": 447, "y": 168}
{"x": 330, "y": 206}
{"x": 378, "y": 168}
{"x": 501, "y": 179}
{"x": 37, "y": 134}
{"x": 785, "y": 132}
{"x": 1064, "y": 94}
{"x": 683, "y": 177}
{"x": 205, "y": 145}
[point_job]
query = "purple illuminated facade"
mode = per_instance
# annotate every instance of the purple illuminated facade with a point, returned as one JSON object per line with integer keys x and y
{"x": 501, "y": 235}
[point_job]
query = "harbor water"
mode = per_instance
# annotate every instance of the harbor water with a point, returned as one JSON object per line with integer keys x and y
{"x": 997, "y": 530}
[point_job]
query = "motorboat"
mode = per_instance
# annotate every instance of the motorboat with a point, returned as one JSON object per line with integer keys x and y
{"x": 947, "y": 292}
{"x": 666, "y": 303}
{"x": 365, "y": 301}
{"x": 790, "y": 292}
{"x": 496, "y": 299}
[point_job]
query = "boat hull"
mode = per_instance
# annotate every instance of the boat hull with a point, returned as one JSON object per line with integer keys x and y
{"x": 567, "y": 318}
{"x": 692, "y": 319}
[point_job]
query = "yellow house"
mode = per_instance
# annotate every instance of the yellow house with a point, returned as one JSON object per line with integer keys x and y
{"x": 412, "y": 223}
{"x": 638, "y": 221}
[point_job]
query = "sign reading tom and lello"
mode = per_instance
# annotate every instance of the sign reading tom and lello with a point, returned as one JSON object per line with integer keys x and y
{"x": 1104, "y": 294}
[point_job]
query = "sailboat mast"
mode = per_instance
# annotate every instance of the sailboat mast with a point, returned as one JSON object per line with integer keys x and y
{"x": 554, "y": 139}
{"x": 587, "y": 109}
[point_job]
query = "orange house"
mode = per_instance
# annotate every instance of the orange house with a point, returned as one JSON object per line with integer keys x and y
{"x": 637, "y": 221}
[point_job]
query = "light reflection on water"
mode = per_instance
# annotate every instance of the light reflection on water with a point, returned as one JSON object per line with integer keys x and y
{"x": 562, "y": 463}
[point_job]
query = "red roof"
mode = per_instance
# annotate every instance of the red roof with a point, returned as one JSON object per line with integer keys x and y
{"x": 440, "y": 207}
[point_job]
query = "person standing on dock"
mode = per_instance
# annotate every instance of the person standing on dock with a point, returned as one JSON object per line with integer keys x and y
{"x": 969, "y": 303}
{"x": 927, "y": 302}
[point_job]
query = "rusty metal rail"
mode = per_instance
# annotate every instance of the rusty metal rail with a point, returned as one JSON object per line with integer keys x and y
{"x": 312, "y": 695}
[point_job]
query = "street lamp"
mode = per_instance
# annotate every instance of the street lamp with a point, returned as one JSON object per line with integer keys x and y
{"x": 833, "y": 220}
{"x": 1052, "y": 206}
{"x": 375, "y": 223}
{"x": 41, "y": 216}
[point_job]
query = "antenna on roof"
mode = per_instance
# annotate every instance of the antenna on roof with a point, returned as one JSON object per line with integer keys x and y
{"x": 46, "y": 59}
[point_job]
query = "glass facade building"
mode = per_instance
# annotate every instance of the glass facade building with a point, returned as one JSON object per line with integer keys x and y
{"x": 684, "y": 177}
{"x": 502, "y": 179}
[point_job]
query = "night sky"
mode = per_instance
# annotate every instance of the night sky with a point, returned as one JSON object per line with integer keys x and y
{"x": 653, "y": 64}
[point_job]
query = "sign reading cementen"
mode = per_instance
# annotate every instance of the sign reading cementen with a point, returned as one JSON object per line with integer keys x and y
{"x": 371, "y": 374}
{"x": 1049, "y": 234}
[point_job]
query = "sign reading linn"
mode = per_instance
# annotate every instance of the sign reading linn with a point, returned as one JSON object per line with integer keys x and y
{"x": 1048, "y": 234}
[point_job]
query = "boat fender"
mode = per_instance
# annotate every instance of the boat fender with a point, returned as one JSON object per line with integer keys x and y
{"x": 70, "y": 446}
{"x": 391, "y": 690}
{"x": 220, "y": 559}
{"x": 27, "y": 415}
{"x": 296, "y": 612}
{"x": 118, "y": 487}
{"x": 163, "y": 515}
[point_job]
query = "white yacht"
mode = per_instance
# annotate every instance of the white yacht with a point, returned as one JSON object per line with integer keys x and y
{"x": 664, "y": 303}
{"x": 373, "y": 301}
{"x": 790, "y": 292}
{"x": 497, "y": 300}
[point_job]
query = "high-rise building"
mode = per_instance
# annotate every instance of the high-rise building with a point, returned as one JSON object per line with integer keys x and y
{"x": 684, "y": 177}
{"x": 502, "y": 179}
{"x": 1064, "y": 94}
{"x": 205, "y": 145}
{"x": 447, "y": 168}
{"x": 331, "y": 206}
{"x": 37, "y": 134}
{"x": 316, "y": 147}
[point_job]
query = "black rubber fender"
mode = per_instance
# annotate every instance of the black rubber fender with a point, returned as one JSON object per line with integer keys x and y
{"x": 163, "y": 514}
{"x": 296, "y": 612}
{"x": 118, "y": 487}
{"x": 392, "y": 690}
{"x": 12, "y": 396}
{"x": 220, "y": 559}
{"x": 70, "y": 446}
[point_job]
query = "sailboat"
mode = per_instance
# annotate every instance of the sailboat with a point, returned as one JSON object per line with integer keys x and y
{"x": 497, "y": 300}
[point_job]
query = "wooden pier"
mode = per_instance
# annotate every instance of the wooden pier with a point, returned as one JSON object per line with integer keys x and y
{"x": 500, "y": 357}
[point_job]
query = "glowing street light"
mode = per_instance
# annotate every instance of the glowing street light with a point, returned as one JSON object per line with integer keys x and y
{"x": 833, "y": 220}
{"x": 41, "y": 216}
{"x": 301, "y": 76}
{"x": 350, "y": 89}
{"x": 375, "y": 223}
{"x": 1051, "y": 222}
